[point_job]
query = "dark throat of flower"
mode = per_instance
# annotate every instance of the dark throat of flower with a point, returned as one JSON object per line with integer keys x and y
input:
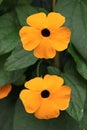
{"x": 45, "y": 32}
{"x": 45, "y": 94}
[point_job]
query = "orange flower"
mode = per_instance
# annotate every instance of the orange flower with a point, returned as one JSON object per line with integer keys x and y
{"x": 45, "y": 34}
{"x": 45, "y": 97}
{"x": 5, "y": 90}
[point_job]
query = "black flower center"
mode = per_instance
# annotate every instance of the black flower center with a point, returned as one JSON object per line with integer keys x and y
{"x": 45, "y": 94}
{"x": 45, "y": 32}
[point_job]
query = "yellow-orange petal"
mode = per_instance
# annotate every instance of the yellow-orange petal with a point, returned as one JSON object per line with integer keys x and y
{"x": 30, "y": 37}
{"x": 55, "y": 20}
{"x": 37, "y": 20}
{"x": 5, "y": 90}
{"x": 53, "y": 82}
{"x": 30, "y": 99}
{"x": 36, "y": 84}
{"x": 47, "y": 110}
{"x": 61, "y": 38}
{"x": 62, "y": 97}
{"x": 44, "y": 50}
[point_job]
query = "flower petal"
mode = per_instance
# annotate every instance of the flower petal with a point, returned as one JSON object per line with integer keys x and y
{"x": 30, "y": 37}
{"x": 55, "y": 20}
{"x": 54, "y": 79}
{"x": 31, "y": 100}
{"x": 5, "y": 90}
{"x": 47, "y": 110}
{"x": 44, "y": 50}
{"x": 61, "y": 38}
{"x": 36, "y": 84}
{"x": 53, "y": 82}
{"x": 62, "y": 97}
{"x": 37, "y": 20}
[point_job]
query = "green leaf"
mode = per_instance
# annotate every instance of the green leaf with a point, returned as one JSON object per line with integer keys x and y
{"x": 19, "y": 59}
{"x": 54, "y": 70}
{"x": 9, "y": 38}
{"x": 83, "y": 123}
{"x": 75, "y": 12}
{"x": 23, "y": 11}
{"x": 81, "y": 64}
{"x": 20, "y": 80}
{"x": 23, "y": 120}
{"x": 24, "y": 2}
{"x": 1, "y": 1}
{"x": 7, "y": 106}
{"x": 6, "y": 76}
{"x": 78, "y": 85}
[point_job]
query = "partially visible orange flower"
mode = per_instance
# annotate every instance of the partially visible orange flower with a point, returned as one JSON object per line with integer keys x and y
{"x": 45, "y": 97}
{"x": 45, "y": 34}
{"x": 5, "y": 90}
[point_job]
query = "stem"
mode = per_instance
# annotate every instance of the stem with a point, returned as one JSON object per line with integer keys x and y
{"x": 38, "y": 68}
{"x": 57, "y": 60}
{"x": 53, "y": 5}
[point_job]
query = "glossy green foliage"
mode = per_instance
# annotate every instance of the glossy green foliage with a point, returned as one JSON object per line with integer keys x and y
{"x": 18, "y": 65}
